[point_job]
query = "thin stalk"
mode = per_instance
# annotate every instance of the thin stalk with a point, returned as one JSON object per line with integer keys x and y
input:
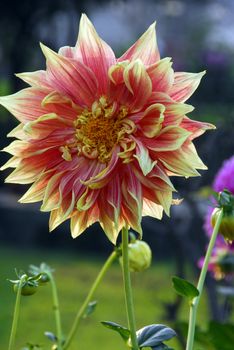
{"x": 87, "y": 300}
{"x": 128, "y": 290}
{"x": 16, "y": 314}
{"x": 195, "y": 302}
{"x": 59, "y": 333}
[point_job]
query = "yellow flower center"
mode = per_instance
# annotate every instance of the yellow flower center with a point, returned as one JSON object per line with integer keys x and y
{"x": 99, "y": 130}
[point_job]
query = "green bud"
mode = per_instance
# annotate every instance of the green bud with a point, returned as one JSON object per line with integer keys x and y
{"x": 26, "y": 290}
{"x": 140, "y": 256}
{"x": 226, "y": 228}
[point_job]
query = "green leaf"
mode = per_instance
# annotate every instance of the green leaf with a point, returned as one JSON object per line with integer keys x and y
{"x": 123, "y": 331}
{"x": 184, "y": 288}
{"x": 90, "y": 308}
{"x": 154, "y": 334}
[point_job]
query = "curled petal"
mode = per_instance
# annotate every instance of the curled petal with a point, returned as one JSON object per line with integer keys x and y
{"x": 161, "y": 75}
{"x": 174, "y": 111}
{"x": 142, "y": 155}
{"x": 151, "y": 122}
{"x": 170, "y": 138}
{"x": 145, "y": 48}
{"x": 184, "y": 85}
{"x": 138, "y": 83}
{"x": 96, "y": 54}
{"x": 76, "y": 81}
{"x": 105, "y": 175}
{"x": 116, "y": 72}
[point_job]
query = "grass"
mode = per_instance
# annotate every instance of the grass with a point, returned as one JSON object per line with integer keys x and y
{"x": 74, "y": 276}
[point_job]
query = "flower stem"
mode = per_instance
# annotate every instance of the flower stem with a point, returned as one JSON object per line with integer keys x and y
{"x": 128, "y": 290}
{"x": 56, "y": 309}
{"x": 87, "y": 300}
{"x": 195, "y": 302}
{"x": 16, "y": 314}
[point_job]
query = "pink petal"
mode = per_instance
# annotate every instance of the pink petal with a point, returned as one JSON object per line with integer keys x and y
{"x": 138, "y": 83}
{"x": 195, "y": 127}
{"x": 161, "y": 75}
{"x": 82, "y": 220}
{"x": 76, "y": 81}
{"x": 96, "y": 54}
{"x": 132, "y": 200}
{"x": 25, "y": 105}
{"x": 151, "y": 122}
{"x": 184, "y": 85}
{"x": 142, "y": 155}
{"x": 169, "y": 139}
{"x": 36, "y": 79}
{"x": 145, "y": 48}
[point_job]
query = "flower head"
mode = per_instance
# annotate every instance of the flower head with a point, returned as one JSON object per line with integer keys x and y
{"x": 99, "y": 137}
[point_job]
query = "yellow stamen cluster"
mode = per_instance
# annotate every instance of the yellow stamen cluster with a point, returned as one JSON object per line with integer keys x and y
{"x": 99, "y": 130}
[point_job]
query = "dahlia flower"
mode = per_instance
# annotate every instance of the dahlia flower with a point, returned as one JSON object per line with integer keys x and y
{"x": 99, "y": 137}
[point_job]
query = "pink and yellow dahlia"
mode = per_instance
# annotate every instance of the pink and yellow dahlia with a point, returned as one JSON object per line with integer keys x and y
{"x": 99, "y": 137}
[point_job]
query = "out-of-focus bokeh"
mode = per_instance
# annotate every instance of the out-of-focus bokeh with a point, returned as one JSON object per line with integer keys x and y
{"x": 198, "y": 35}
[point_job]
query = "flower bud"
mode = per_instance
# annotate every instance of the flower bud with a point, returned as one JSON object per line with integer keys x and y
{"x": 226, "y": 228}
{"x": 26, "y": 290}
{"x": 140, "y": 256}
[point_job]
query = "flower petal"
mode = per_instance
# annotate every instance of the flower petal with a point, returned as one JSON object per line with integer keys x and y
{"x": 76, "y": 81}
{"x": 145, "y": 48}
{"x": 96, "y": 54}
{"x": 161, "y": 75}
{"x": 152, "y": 209}
{"x": 142, "y": 155}
{"x": 197, "y": 128}
{"x": 138, "y": 83}
{"x": 25, "y": 105}
{"x": 184, "y": 85}
{"x": 151, "y": 122}
{"x": 132, "y": 200}
{"x": 36, "y": 79}
{"x": 82, "y": 220}
{"x": 169, "y": 139}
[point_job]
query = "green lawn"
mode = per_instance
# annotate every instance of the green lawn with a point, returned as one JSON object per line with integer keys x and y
{"x": 74, "y": 275}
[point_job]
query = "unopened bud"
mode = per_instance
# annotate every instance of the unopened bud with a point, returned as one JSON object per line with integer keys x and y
{"x": 226, "y": 228}
{"x": 140, "y": 256}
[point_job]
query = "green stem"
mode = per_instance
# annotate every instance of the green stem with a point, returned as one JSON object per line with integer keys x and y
{"x": 195, "y": 302}
{"x": 56, "y": 309}
{"x": 128, "y": 290}
{"x": 87, "y": 300}
{"x": 16, "y": 314}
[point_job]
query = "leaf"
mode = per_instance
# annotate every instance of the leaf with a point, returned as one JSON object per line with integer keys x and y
{"x": 123, "y": 331}
{"x": 154, "y": 335}
{"x": 184, "y": 288}
{"x": 51, "y": 336}
{"x": 90, "y": 308}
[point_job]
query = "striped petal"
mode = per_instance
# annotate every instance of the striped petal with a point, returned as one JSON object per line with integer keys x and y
{"x": 161, "y": 75}
{"x": 138, "y": 83}
{"x": 145, "y": 48}
{"x": 75, "y": 81}
{"x": 96, "y": 54}
{"x": 151, "y": 122}
{"x": 184, "y": 85}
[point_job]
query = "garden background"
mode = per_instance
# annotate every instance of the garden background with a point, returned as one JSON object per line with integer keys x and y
{"x": 197, "y": 35}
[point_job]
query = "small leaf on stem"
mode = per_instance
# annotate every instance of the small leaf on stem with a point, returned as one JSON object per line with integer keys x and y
{"x": 123, "y": 331}
{"x": 153, "y": 335}
{"x": 184, "y": 288}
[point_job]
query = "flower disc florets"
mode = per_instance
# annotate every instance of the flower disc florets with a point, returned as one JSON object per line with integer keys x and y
{"x": 99, "y": 136}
